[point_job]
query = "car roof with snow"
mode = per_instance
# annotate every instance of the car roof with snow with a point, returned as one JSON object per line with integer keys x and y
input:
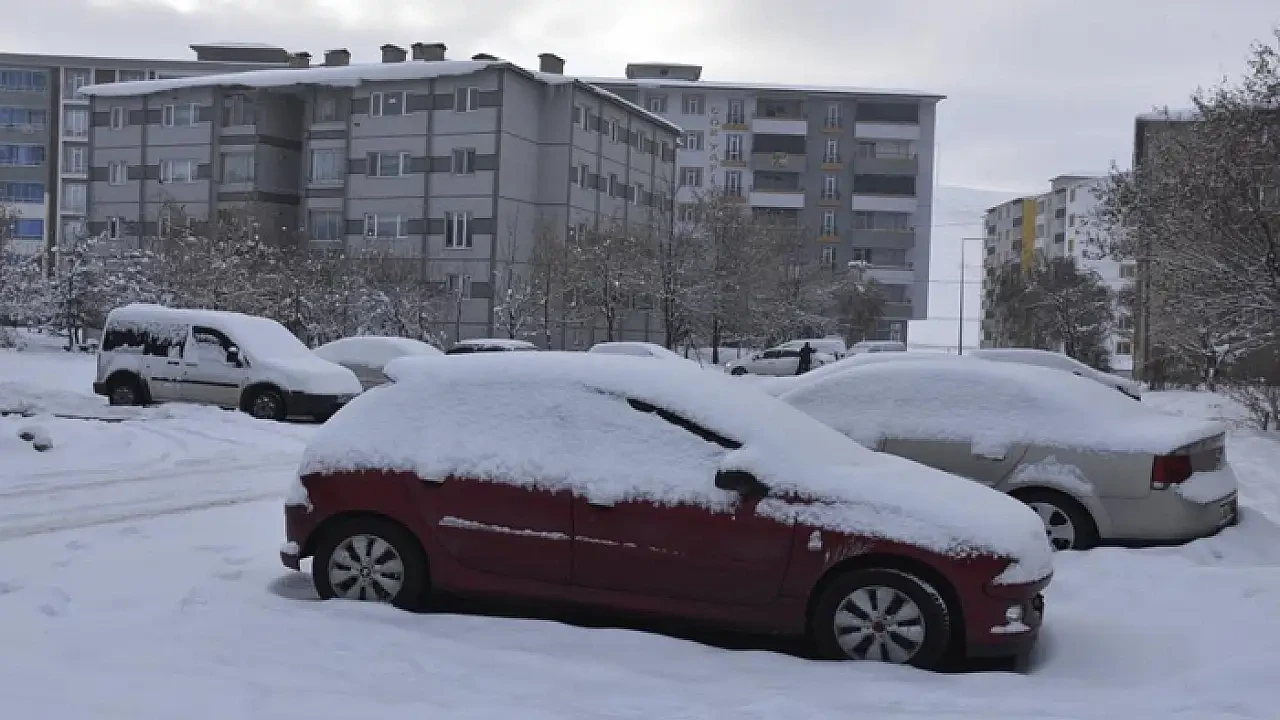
{"x": 632, "y": 348}
{"x": 503, "y": 343}
{"x": 1059, "y": 361}
{"x": 258, "y": 335}
{"x": 616, "y": 428}
{"x": 372, "y": 351}
{"x": 992, "y": 404}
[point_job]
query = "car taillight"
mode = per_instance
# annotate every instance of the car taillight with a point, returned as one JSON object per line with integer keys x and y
{"x": 1170, "y": 470}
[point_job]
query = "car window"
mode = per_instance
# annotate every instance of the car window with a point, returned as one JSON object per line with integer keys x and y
{"x": 209, "y": 336}
{"x": 772, "y": 354}
{"x": 164, "y": 340}
{"x": 789, "y": 354}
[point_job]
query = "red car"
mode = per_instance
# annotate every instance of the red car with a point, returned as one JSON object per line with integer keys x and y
{"x": 657, "y": 489}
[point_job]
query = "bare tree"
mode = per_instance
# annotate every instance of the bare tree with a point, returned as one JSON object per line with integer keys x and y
{"x": 403, "y": 297}
{"x": 1054, "y": 305}
{"x": 605, "y": 272}
{"x": 520, "y": 294}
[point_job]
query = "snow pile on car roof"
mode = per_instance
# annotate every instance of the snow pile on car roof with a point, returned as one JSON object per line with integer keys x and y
{"x": 993, "y": 405}
{"x": 611, "y": 429}
{"x": 373, "y": 351}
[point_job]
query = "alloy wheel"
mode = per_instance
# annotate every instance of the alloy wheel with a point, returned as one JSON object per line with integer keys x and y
{"x": 879, "y": 623}
{"x": 366, "y": 567}
{"x": 1058, "y": 525}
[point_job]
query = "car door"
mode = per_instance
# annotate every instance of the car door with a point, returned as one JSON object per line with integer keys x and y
{"x": 162, "y": 350}
{"x": 768, "y": 363}
{"x": 986, "y": 465}
{"x": 208, "y": 377}
{"x": 514, "y": 531}
{"x": 684, "y": 551}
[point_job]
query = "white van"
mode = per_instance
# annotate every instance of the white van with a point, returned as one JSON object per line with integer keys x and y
{"x": 151, "y": 353}
{"x": 877, "y": 346}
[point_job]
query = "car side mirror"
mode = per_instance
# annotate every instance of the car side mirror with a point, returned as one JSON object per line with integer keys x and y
{"x": 741, "y": 482}
{"x": 233, "y": 356}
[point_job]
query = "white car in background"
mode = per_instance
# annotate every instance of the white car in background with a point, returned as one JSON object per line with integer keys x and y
{"x": 482, "y": 345}
{"x": 1058, "y": 361}
{"x": 634, "y": 349}
{"x": 784, "y": 359}
{"x": 368, "y": 355}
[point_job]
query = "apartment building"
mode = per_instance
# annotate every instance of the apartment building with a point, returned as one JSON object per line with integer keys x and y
{"x": 1055, "y": 224}
{"x": 852, "y": 166}
{"x": 44, "y": 127}
{"x": 459, "y": 164}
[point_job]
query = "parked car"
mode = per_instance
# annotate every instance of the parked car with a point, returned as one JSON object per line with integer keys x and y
{"x": 1094, "y": 466}
{"x": 781, "y": 360}
{"x": 877, "y": 346}
{"x": 1059, "y": 361}
{"x": 777, "y": 385}
{"x": 151, "y": 353}
{"x": 367, "y": 355}
{"x": 657, "y": 488}
{"x": 487, "y": 345}
{"x": 833, "y": 346}
{"x": 634, "y": 349}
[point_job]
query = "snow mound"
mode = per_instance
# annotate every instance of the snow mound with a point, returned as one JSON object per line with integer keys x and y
{"x": 993, "y": 405}
{"x": 595, "y": 426}
{"x": 372, "y": 351}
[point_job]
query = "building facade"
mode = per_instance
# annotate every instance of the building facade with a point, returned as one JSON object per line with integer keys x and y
{"x": 853, "y": 167}
{"x": 44, "y": 128}
{"x": 1055, "y": 224}
{"x": 458, "y": 163}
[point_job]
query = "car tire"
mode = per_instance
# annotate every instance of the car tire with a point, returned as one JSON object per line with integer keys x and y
{"x": 370, "y": 559}
{"x": 125, "y": 390}
{"x": 854, "y": 619}
{"x": 1067, "y": 524}
{"x": 266, "y": 404}
{"x": 738, "y": 371}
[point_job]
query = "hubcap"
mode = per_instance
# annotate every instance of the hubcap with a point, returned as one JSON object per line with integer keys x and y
{"x": 264, "y": 406}
{"x": 1057, "y": 525}
{"x": 366, "y": 567}
{"x": 122, "y": 395}
{"x": 879, "y": 623}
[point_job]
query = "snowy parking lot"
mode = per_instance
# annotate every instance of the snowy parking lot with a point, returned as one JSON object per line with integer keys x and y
{"x": 139, "y": 578}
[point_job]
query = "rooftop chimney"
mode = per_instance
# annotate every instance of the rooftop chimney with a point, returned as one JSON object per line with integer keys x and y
{"x": 429, "y": 51}
{"x": 337, "y": 58}
{"x": 300, "y": 60}
{"x": 392, "y": 53}
{"x": 484, "y": 56}
{"x": 551, "y": 63}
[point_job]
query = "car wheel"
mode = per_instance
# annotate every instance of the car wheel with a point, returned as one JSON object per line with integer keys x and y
{"x": 738, "y": 371}
{"x": 1066, "y": 523}
{"x": 370, "y": 559}
{"x": 881, "y": 615}
{"x": 266, "y": 404}
{"x": 124, "y": 391}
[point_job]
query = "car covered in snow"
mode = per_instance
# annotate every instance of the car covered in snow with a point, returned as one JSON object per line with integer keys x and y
{"x": 784, "y": 359}
{"x": 634, "y": 349}
{"x": 490, "y": 345}
{"x": 1094, "y": 465}
{"x": 647, "y": 488}
{"x": 1059, "y": 361}
{"x": 367, "y": 355}
{"x": 151, "y": 354}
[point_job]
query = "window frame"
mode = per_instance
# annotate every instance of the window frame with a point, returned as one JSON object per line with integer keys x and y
{"x": 458, "y": 230}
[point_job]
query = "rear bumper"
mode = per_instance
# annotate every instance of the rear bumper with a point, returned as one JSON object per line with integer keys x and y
{"x": 1166, "y": 518}
{"x": 317, "y": 406}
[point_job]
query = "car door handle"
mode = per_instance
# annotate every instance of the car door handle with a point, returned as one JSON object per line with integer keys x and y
{"x": 193, "y": 364}
{"x": 174, "y": 362}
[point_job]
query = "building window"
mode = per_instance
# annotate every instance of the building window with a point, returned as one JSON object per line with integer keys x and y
{"x": 613, "y": 185}
{"x": 113, "y": 228}
{"x": 833, "y": 115}
{"x": 879, "y": 220}
{"x": 117, "y": 172}
{"x": 830, "y": 187}
{"x": 693, "y": 140}
{"x": 177, "y": 171}
{"x": 457, "y": 230}
{"x": 389, "y": 164}
{"x": 238, "y": 109}
{"x": 862, "y": 256}
{"x": 733, "y": 183}
{"x": 1073, "y": 195}
{"x": 24, "y": 119}
{"x": 21, "y": 155}
{"x": 1039, "y": 230}
{"x": 131, "y": 75}
{"x": 466, "y": 99}
{"x": 32, "y": 81}
{"x": 22, "y": 192}
{"x": 1128, "y": 271}
{"x": 183, "y": 115}
{"x": 464, "y": 161}
{"x": 75, "y": 197}
{"x": 384, "y": 226}
{"x": 74, "y": 79}
{"x": 328, "y": 166}
{"x": 737, "y": 114}
{"x": 831, "y": 154}
{"x": 327, "y": 226}
{"x": 238, "y": 167}
{"x": 1124, "y": 347}
{"x": 688, "y": 212}
{"x": 637, "y": 193}
{"x": 691, "y": 177}
{"x": 583, "y": 176}
{"x": 657, "y": 103}
{"x": 693, "y": 104}
{"x": 118, "y": 118}
{"x": 1124, "y": 322}
{"x": 386, "y": 104}
{"x": 1071, "y": 220}
{"x": 326, "y": 109}
{"x": 828, "y": 222}
{"x": 828, "y": 257}
{"x": 733, "y": 147}
{"x": 28, "y": 228}
{"x": 76, "y": 159}
{"x": 1040, "y": 207}
{"x": 580, "y": 117}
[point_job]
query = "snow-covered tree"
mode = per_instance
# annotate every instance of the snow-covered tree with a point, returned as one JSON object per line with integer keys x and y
{"x": 223, "y": 264}
{"x": 1054, "y": 305}
{"x": 402, "y": 296}
{"x": 91, "y": 277}
{"x": 520, "y": 297}
{"x": 605, "y": 271}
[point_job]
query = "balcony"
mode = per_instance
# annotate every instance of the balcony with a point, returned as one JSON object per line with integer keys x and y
{"x": 902, "y": 310}
{"x": 888, "y": 165}
{"x": 780, "y": 162}
{"x": 891, "y": 275}
{"x": 888, "y": 239}
{"x": 788, "y": 199}
{"x": 779, "y": 126}
{"x": 886, "y": 131}
{"x": 886, "y": 203}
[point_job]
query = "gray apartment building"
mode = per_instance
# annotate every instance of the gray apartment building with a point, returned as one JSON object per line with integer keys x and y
{"x": 459, "y": 163}
{"x": 853, "y": 166}
{"x": 44, "y": 127}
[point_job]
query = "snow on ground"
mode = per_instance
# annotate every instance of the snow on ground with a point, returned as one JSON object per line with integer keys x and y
{"x": 180, "y": 608}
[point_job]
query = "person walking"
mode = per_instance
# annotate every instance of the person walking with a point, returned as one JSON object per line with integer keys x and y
{"x": 806, "y": 360}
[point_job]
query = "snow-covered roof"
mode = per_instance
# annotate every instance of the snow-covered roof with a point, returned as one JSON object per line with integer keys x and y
{"x": 586, "y": 423}
{"x": 354, "y": 75}
{"x": 765, "y": 87}
{"x": 991, "y": 404}
{"x": 372, "y": 351}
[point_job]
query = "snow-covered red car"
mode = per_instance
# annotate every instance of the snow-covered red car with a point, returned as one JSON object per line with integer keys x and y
{"x": 649, "y": 488}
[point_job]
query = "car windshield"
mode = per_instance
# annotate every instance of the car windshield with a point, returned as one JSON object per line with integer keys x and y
{"x": 267, "y": 338}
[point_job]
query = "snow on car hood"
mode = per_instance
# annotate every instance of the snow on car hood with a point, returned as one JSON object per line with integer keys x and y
{"x": 586, "y": 423}
{"x": 994, "y": 405}
{"x": 312, "y": 375}
{"x": 372, "y": 351}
